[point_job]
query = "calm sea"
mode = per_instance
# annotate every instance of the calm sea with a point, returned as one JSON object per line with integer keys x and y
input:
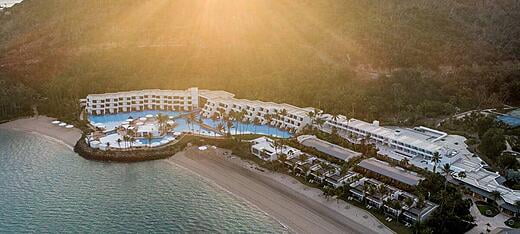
{"x": 44, "y": 187}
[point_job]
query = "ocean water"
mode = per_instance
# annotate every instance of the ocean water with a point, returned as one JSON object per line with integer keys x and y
{"x": 45, "y": 187}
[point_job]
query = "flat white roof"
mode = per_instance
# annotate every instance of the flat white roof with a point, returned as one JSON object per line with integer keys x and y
{"x": 327, "y": 147}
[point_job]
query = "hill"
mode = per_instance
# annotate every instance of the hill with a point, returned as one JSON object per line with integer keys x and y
{"x": 395, "y": 60}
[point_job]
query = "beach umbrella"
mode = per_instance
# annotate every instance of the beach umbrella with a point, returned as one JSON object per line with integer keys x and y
{"x": 55, "y": 122}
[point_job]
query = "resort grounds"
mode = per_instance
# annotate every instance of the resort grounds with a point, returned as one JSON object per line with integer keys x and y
{"x": 299, "y": 207}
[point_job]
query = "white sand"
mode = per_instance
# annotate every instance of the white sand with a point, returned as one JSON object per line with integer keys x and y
{"x": 301, "y": 208}
{"x": 43, "y": 125}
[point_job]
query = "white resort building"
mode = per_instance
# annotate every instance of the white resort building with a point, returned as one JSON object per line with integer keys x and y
{"x": 153, "y": 99}
{"x": 417, "y": 145}
{"x": 284, "y": 116}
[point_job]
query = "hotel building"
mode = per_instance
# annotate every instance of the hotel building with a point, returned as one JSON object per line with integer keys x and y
{"x": 284, "y": 116}
{"x": 417, "y": 145}
{"x": 153, "y": 99}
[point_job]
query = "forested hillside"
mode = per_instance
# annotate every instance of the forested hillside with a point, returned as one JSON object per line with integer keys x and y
{"x": 399, "y": 61}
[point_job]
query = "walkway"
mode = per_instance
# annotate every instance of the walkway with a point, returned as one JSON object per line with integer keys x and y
{"x": 484, "y": 223}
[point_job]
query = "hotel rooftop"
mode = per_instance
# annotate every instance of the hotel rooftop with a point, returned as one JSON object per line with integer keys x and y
{"x": 395, "y": 173}
{"x": 328, "y": 148}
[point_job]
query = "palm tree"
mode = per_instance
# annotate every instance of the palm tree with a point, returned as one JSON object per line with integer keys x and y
{"x": 149, "y": 137}
{"x": 162, "y": 119}
{"x": 268, "y": 118}
{"x": 229, "y": 125}
{"x": 125, "y": 139}
{"x": 282, "y": 158}
{"x": 256, "y": 122}
{"x": 131, "y": 140}
{"x": 311, "y": 116}
{"x": 220, "y": 127}
{"x": 191, "y": 119}
{"x": 436, "y": 158}
{"x": 108, "y": 145}
{"x": 495, "y": 194}
{"x": 404, "y": 162}
{"x": 446, "y": 169}
{"x": 320, "y": 122}
{"x": 461, "y": 174}
{"x": 119, "y": 142}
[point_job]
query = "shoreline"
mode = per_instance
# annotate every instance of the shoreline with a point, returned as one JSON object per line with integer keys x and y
{"x": 296, "y": 206}
{"x": 213, "y": 183}
{"x": 41, "y": 125}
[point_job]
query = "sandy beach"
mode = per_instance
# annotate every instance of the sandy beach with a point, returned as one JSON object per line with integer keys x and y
{"x": 301, "y": 208}
{"x": 42, "y": 125}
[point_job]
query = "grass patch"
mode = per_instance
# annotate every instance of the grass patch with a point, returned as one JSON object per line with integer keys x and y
{"x": 487, "y": 209}
{"x": 513, "y": 222}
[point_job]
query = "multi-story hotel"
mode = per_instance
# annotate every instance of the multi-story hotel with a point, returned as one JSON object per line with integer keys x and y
{"x": 283, "y": 116}
{"x": 153, "y": 99}
{"x": 418, "y": 145}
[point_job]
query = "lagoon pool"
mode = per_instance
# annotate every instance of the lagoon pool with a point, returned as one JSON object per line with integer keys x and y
{"x": 114, "y": 120}
{"x": 242, "y": 128}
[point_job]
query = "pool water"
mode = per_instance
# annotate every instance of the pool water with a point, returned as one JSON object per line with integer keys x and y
{"x": 114, "y": 120}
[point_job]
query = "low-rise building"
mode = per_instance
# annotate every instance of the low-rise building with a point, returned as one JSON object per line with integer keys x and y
{"x": 337, "y": 180}
{"x": 396, "y": 175}
{"x": 266, "y": 149}
{"x": 335, "y": 151}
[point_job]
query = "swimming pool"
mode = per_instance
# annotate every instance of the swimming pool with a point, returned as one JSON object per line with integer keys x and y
{"x": 113, "y": 120}
{"x": 243, "y": 128}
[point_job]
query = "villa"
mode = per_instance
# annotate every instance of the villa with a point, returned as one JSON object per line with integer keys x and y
{"x": 394, "y": 202}
{"x": 266, "y": 149}
{"x": 396, "y": 175}
{"x": 336, "y": 151}
{"x": 337, "y": 180}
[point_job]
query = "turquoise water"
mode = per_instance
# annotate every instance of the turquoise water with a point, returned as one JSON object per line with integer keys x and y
{"x": 111, "y": 121}
{"x": 45, "y": 187}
